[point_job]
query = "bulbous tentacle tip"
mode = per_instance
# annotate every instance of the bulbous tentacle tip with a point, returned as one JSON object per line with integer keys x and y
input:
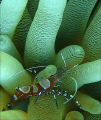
{"x": 74, "y": 115}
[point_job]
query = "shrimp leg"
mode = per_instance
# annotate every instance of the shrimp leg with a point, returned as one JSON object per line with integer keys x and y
{"x": 40, "y": 93}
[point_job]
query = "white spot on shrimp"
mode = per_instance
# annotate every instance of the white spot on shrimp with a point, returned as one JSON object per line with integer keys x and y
{"x": 25, "y": 89}
{"x": 35, "y": 89}
{"x": 45, "y": 83}
{"x": 14, "y": 97}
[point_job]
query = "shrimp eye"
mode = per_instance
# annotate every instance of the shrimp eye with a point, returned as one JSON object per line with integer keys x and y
{"x": 16, "y": 88}
{"x": 25, "y": 89}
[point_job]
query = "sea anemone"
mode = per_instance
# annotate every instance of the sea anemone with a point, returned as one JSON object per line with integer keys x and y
{"x": 35, "y": 33}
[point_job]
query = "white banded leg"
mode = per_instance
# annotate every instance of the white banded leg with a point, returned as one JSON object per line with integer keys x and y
{"x": 77, "y": 103}
{"x": 40, "y": 93}
{"x": 9, "y": 106}
{"x": 35, "y": 75}
{"x": 65, "y": 94}
{"x": 53, "y": 91}
{"x": 58, "y": 92}
{"x": 68, "y": 100}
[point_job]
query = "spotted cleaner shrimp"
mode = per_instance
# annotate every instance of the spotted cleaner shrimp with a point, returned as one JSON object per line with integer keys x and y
{"x": 44, "y": 87}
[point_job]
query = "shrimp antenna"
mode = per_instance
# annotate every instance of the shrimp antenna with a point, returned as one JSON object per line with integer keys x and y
{"x": 63, "y": 59}
{"x": 72, "y": 96}
{"x": 29, "y": 69}
{"x": 65, "y": 62}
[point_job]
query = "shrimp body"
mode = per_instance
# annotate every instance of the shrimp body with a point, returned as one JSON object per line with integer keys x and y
{"x": 44, "y": 87}
{"x": 38, "y": 89}
{"x": 31, "y": 90}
